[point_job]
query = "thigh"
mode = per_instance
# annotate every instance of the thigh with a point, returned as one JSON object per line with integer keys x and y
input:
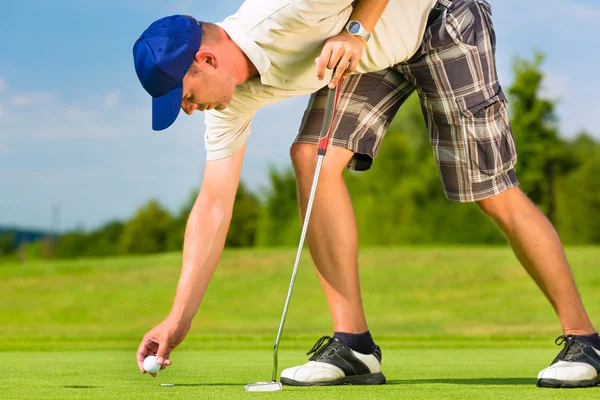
{"x": 367, "y": 105}
{"x": 464, "y": 106}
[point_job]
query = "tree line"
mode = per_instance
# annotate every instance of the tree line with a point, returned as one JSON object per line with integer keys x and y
{"x": 399, "y": 201}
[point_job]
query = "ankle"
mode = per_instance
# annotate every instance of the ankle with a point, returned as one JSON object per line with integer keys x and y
{"x": 360, "y": 342}
{"x": 579, "y": 332}
{"x": 591, "y": 340}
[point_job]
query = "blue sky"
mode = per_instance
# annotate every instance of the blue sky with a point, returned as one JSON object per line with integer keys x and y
{"x": 75, "y": 122}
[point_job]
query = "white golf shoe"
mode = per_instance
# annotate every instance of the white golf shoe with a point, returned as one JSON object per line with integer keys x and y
{"x": 333, "y": 363}
{"x": 576, "y": 366}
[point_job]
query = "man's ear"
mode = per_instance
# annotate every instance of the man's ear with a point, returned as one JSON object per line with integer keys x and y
{"x": 206, "y": 57}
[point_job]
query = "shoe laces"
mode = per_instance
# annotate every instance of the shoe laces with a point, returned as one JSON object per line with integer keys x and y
{"x": 319, "y": 347}
{"x": 572, "y": 349}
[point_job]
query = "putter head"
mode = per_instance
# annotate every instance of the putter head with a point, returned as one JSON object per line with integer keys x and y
{"x": 263, "y": 387}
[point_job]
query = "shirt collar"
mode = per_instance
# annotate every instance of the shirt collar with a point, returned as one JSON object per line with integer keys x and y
{"x": 253, "y": 51}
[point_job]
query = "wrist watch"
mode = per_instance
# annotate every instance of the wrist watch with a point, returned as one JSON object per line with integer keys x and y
{"x": 355, "y": 28}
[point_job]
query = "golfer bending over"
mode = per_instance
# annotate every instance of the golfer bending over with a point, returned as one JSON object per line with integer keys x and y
{"x": 273, "y": 49}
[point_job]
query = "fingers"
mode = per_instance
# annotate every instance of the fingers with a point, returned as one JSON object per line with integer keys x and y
{"x": 352, "y": 66}
{"x": 161, "y": 341}
{"x": 166, "y": 364}
{"x": 341, "y": 53}
{"x": 142, "y": 352}
{"x": 163, "y": 366}
{"x": 330, "y": 58}
{"x": 162, "y": 353}
{"x": 340, "y": 71}
{"x": 323, "y": 60}
{"x": 149, "y": 346}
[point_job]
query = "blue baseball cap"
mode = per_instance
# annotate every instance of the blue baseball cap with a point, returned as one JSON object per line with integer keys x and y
{"x": 162, "y": 56}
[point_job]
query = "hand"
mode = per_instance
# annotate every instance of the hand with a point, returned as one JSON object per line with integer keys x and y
{"x": 341, "y": 52}
{"x": 160, "y": 341}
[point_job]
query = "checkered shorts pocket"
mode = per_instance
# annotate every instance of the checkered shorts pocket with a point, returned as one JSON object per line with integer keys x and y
{"x": 487, "y": 135}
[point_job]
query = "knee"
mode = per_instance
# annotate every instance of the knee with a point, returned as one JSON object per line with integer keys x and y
{"x": 303, "y": 157}
{"x": 501, "y": 207}
{"x": 492, "y": 207}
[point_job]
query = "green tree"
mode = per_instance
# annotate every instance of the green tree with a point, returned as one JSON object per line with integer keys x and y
{"x": 7, "y": 244}
{"x": 542, "y": 155}
{"x": 582, "y": 148}
{"x": 578, "y": 194}
{"x": 72, "y": 244}
{"x": 244, "y": 222}
{"x": 105, "y": 240}
{"x": 384, "y": 200}
{"x": 178, "y": 225}
{"x": 279, "y": 221}
{"x": 147, "y": 231}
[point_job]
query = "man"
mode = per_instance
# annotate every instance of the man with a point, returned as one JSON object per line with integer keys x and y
{"x": 266, "y": 52}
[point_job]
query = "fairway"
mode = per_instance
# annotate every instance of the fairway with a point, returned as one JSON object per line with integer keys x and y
{"x": 455, "y": 323}
{"x": 480, "y": 373}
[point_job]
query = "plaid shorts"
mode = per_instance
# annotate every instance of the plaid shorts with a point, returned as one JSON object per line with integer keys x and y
{"x": 454, "y": 74}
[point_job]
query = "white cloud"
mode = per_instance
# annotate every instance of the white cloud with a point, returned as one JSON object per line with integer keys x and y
{"x": 32, "y": 99}
{"x": 3, "y": 85}
{"x": 57, "y": 119}
{"x": 98, "y": 116}
{"x": 111, "y": 99}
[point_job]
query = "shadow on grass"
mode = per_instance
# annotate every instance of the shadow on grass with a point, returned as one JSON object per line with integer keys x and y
{"x": 458, "y": 381}
{"x": 81, "y": 387}
{"x": 466, "y": 381}
{"x": 205, "y": 384}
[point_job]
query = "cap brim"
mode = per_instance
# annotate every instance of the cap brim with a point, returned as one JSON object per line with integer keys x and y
{"x": 165, "y": 109}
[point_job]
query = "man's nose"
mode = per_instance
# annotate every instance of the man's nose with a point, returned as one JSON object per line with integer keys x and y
{"x": 189, "y": 108}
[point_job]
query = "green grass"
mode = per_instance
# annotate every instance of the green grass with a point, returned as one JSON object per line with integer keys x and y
{"x": 453, "y": 322}
{"x": 412, "y": 374}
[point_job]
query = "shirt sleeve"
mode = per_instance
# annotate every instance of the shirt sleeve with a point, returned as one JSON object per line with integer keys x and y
{"x": 316, "y": 10}
{"x": 227, "y": 130}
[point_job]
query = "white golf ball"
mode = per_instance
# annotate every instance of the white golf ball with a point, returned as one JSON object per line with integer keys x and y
{"x": 150, "y": 365}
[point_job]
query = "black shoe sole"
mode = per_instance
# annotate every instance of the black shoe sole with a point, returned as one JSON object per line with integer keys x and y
{"x": 367, "y": 379}
{"x": 555, "y": 383}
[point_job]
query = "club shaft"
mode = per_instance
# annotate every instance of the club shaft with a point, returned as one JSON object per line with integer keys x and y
{"x": 326, "y": 128}
{"x": 311, "y": 198}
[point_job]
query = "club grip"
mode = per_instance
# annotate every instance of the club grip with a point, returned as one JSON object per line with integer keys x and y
{"x": 328, "y": 117}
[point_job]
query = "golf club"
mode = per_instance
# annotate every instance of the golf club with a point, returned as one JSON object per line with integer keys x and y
{"x": 326, "y": 129}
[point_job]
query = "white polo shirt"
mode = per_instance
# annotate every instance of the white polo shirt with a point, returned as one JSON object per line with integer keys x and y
{"x": 282, "y": 38}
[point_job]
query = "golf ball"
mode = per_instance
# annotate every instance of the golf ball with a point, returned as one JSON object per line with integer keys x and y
{"x": 150, "y": 365}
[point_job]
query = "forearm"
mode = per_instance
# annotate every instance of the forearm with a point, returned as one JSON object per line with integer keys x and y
{"x": 368, "y": 12}
{"x": 205, "y": 235}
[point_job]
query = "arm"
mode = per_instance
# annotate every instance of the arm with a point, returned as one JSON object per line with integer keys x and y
{"x": 345, "y": 50}
{"x": 205, "y": 235}
{"x": 368, "y": 13}
{"x": 208, "y": 223}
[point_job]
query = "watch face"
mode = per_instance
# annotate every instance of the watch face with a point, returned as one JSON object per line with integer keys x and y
{"x": 354, "y": 27}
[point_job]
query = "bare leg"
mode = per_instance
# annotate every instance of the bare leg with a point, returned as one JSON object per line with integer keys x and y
{"x": 332, "y": 234}
{"x": 538, "y": 248}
